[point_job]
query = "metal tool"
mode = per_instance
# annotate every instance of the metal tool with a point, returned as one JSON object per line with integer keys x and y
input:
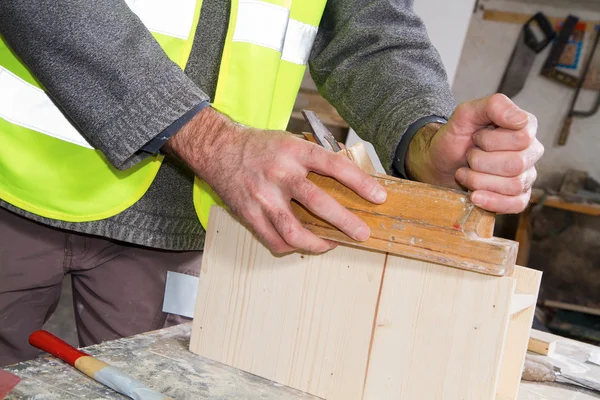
{"x": 566, "y": 128}
{"x": 549, "y": 69}
{"x": 322, "y": 135}
{"x": 536, "y": 371}
{"x": 96, "y": 369}
{"x": 524, "y": 53}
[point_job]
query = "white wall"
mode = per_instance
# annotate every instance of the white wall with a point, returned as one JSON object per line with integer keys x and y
{"x": 447, "y": 22}
{"x": 487, "y": 49}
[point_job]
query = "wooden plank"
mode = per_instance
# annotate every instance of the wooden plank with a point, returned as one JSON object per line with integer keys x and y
{"x": 560, "y": 203}
{"x": 437, "y": 333}
{"x": 420, "y": 221}
{"x": 572, "y": 307}
{"x": 301, "y": 320}
{"x": 521, "y": 18}
{"x": 517, "y": 338}
{"x": 541, "y": 343}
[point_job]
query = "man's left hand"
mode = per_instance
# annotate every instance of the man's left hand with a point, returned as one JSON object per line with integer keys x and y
{"x": 488, "y": 146}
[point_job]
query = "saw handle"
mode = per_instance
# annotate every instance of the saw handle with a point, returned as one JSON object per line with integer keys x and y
{"x": 546, "y": 28}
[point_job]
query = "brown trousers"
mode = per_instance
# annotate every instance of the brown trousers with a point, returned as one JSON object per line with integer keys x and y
{"x": 118, "y": 289}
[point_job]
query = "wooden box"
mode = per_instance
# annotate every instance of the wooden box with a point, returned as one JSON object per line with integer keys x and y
{"x": 431, "y": 307}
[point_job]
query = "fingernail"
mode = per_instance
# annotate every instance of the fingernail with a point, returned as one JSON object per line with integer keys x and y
{"x": 378, "y": 194}
{"x": 478, "y": 199}
{"x": 461, "y": 175}
{"x": 515, "y": 116}
{"x": 361, "y": 233}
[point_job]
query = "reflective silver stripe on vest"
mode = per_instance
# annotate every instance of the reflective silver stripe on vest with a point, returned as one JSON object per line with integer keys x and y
{"x": 262, "y": 24}
{"x": 25, "y": 105}
{"x": 172, "y": 18}
{"x": 299, "y": 40}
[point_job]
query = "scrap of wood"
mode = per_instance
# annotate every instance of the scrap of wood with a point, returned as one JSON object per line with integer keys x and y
{"x": 358, "y": 154}
{"x": 521, "y": 18}
{"x": 420, "y": 221}
{"x": 541, "y": 343}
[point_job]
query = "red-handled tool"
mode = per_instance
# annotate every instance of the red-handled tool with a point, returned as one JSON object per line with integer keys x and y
{"x": 96, "y": 369}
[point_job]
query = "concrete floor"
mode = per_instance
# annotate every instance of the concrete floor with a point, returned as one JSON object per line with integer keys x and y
{"x": 62, "y": 322}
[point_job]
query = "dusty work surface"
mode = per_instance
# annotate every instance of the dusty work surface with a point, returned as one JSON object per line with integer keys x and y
{"x": 161, "y": 360}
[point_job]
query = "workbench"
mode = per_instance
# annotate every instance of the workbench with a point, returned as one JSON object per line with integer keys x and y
{"x": 161, "y": 359}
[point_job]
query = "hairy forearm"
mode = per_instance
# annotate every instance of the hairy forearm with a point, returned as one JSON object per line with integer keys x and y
{"x": 201, "y": 138}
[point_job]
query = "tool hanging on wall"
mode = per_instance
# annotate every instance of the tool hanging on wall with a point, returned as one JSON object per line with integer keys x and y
{"x": 566, "y": 128}
{"x": 524, "y": 53}
{"x": 550, "y": 69}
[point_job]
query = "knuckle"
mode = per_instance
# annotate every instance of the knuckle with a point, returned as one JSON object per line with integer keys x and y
{"x": 461, "y": 111}
{"x": 275, "y": 174}
{"x": 523, "y": 137}
{"x": 498, "y": 100}
{"x": 517, "y": 185}
{"x": 523, "y": 201}
{"x": 516, "y": 165}
{"x": 532, "y": 176}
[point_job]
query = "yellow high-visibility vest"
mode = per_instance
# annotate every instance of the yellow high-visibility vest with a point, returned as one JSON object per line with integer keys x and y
{"x": 49, "y": 169}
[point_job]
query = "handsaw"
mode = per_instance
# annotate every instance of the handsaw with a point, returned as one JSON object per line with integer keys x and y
{"x": 524, "y": 53}
{"x": 566, "y": 128}
{"x": 549, "y": 69}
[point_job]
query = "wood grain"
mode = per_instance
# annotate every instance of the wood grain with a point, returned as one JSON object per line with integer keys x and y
{"x": 420, "y": 221}
{"x": 439, "y": 333}
{"x": 300, "y": 320}
{"x": 528, "y": 283}
{"x": 541, "y": 343}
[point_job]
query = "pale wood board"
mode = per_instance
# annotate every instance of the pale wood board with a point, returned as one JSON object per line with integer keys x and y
{"x": 436, "y": 321}
{"x": 528, "y": 283}
{"x": 300, "y": 320}
{"x": 541, "y": 346}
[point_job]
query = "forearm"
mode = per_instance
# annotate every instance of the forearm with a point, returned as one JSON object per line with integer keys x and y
{"x": 374, "y": 62}
{"x": 102, "y": 68}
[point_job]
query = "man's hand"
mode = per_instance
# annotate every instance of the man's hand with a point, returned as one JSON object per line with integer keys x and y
{"x": 488, "y": 146}
{"x": 257, "y": 172}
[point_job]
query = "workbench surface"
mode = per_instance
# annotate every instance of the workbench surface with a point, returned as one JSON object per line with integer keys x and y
{"x": 161, "y": 359}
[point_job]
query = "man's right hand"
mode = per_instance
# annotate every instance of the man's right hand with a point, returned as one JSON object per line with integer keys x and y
{"x": 257, "y": 172}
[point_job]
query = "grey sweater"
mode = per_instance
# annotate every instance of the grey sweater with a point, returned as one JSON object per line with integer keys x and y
{"x": 372, "y": 60}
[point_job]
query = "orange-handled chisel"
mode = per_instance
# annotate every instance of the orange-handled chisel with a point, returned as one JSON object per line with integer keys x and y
{"x": 96, "y": 369}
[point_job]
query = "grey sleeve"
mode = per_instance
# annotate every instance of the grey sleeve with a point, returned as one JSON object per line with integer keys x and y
{"x": 374, "y": 62}
{"x": 102, "y": 68}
